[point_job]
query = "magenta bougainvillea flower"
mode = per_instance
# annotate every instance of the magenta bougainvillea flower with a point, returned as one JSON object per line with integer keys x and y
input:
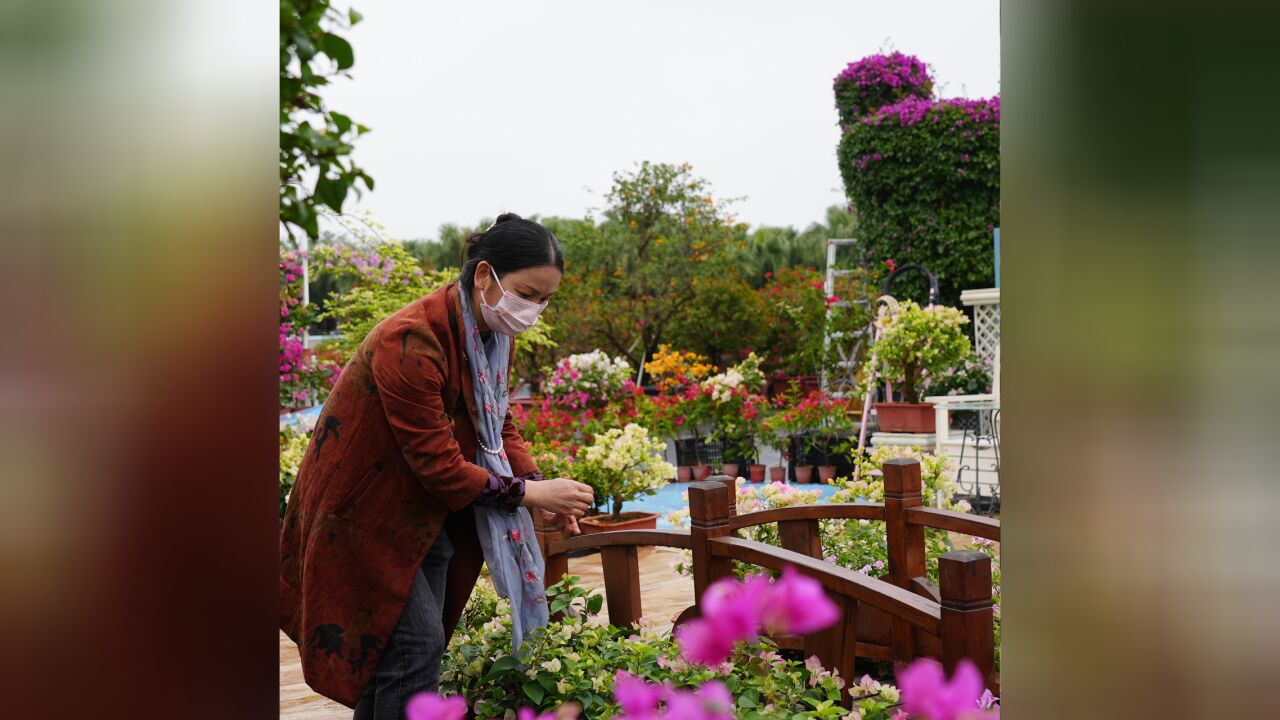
{"x": 428, "y": 706}
{"x": 734, "y": 611}
{"x": 927, "y": 692}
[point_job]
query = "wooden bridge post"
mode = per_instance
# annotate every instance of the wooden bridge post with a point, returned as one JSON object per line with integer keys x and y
{"x": 709, "y": 513}
{"x": 906, "y": 541}
{"x": 557, "y": 566}
{"x": 967, "y": 612}
{"x": 732, "y": 484}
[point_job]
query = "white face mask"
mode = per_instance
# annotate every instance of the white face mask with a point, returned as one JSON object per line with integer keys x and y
{"x": 513, "y": 314}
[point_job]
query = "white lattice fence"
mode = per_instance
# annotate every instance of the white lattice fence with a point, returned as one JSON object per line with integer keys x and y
{"x": 986, "y": 320}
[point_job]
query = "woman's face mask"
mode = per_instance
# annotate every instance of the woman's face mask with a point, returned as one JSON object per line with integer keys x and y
{"x": 512, "y": 314}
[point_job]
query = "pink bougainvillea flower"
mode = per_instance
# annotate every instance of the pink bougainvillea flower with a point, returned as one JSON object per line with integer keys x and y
{"x": 702, "y": 642}
{"x": 637, "y": 698}
{"x": 798, "y": 605}
{"x": 927, "y": 692}
{"x": 429, "y": 706}
{"x": 711, "y": 701}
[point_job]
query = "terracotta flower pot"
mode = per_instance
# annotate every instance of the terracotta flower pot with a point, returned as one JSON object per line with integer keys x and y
{"x": 804, "y": 473}
{"x": 684, "y": 473}
{"x": 628, "y": 521}
{"x": 757, "y": 473}
{"x": 906, "y": 417}
{"x": 778, "y": 474}
{"x": 826, "y": 472}
{"x": 701, "y": 472}
{"x": 730, "y": 469}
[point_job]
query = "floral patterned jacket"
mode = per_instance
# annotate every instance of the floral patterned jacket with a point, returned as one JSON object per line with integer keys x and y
{"x": 389, "y": 465}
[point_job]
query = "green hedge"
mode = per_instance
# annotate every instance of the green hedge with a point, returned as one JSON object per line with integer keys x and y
{"x": 923, "y": 177}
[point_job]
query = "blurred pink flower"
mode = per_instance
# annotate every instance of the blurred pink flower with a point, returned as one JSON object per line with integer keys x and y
{"x": 429, "y": 706}
{"x": 798, "y": 605}
{"x": 927, "y": 692}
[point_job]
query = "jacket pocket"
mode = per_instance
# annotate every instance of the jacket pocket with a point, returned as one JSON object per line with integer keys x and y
{"x": 358, "y": 488}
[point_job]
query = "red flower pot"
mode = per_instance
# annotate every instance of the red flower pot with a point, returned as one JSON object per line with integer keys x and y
{"x": 826, "y": 473}
{"x": 628, "y": 521}
{"x": 757, "y": 473}
{"x": 778, "y": 474}
{"x": 730, "y": 469}
{"x": 906, "y": 417}
{"x": 804, "y": 473}
{"x": 684, "y": 473}
{"x": 701, "y": 472}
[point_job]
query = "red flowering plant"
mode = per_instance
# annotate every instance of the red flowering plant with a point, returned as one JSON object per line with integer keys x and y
{"x": 734, "y": 408}
{"x": 807, "y": 419}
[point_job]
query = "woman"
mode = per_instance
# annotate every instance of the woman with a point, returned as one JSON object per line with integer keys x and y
{"x": 414, "y": 476}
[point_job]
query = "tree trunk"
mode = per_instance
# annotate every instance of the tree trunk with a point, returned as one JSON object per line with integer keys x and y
{"x": 617, "y": 507}
{"x": 909, "y": 384}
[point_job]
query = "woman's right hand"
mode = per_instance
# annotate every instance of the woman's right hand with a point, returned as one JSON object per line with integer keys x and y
{"x": 559, "y": 495}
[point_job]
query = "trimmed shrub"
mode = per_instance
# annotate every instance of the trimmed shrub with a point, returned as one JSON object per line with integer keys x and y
{"x": 879, "y": 80}
{"x": 924, "y": 179}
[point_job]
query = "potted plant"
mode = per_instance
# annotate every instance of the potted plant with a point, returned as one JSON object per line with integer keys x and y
{"x": 913, "y": 343}
{"x": 680, "y": 402}
{"x": 622, "y": 464}
{"x": 787, "y": 425}
{"x": 733, "y": 405}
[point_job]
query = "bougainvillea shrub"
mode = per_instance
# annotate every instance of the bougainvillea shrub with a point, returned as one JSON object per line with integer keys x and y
{"x": 879, "y": 80}
{"x": 923, "y": 177}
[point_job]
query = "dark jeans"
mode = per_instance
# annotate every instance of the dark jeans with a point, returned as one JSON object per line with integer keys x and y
{"x": 411, "y": 662}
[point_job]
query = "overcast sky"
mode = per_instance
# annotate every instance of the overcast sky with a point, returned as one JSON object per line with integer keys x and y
{"x": 481, "y": 107}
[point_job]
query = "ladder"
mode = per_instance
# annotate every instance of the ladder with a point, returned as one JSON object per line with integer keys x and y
{"x": 840, "y": 379}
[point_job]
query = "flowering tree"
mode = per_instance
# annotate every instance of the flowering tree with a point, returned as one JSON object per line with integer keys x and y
{"x": 638, "y": 270}
{"x": 623, "y": 464}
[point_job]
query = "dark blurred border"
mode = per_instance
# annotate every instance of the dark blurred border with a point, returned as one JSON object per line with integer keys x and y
{"x": 137, "y": 286}
{"x": 1141, "y": 339}
{"x": 1141, "y": 342}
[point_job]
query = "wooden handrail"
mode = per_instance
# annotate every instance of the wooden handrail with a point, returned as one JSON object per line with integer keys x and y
{"x": 976, "y": 525}
{"x": 919, "y": 612}
{"x": 614, "y": 538}
{"x": 830, "y": 511}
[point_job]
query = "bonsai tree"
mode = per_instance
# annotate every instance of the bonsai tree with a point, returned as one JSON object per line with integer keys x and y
{"x": 917, "y": 341}
{"x": 623, "y": 464}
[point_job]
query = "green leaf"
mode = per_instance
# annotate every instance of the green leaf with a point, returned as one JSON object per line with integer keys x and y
{"x": 332, "y": 192}
{"x": 501, "y": 665}
{"x": 338, "y": 49}
{"x": 342, "y": 122}
{"x": 534, "y": 691}
{"x": 594, "y": 603}
{"x": 354, "y": 16}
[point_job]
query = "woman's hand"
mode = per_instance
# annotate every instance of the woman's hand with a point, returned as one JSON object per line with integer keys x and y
{"x": 560, "y": 495}
{"x": 566, "y": 523}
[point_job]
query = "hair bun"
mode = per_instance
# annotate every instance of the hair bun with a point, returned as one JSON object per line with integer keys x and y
{"x": 505, "y": 217}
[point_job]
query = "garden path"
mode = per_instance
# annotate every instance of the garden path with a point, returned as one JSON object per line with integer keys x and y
{"x": 663, "y": 595}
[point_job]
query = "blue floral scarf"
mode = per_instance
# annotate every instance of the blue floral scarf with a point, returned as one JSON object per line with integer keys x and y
{"x": 507, "y": 538}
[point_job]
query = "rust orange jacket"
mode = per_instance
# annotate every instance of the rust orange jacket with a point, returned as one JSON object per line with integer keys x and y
{"x": 389, "y": 465}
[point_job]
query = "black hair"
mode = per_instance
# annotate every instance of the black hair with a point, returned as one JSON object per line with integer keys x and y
{"x": 511, "y": 243}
